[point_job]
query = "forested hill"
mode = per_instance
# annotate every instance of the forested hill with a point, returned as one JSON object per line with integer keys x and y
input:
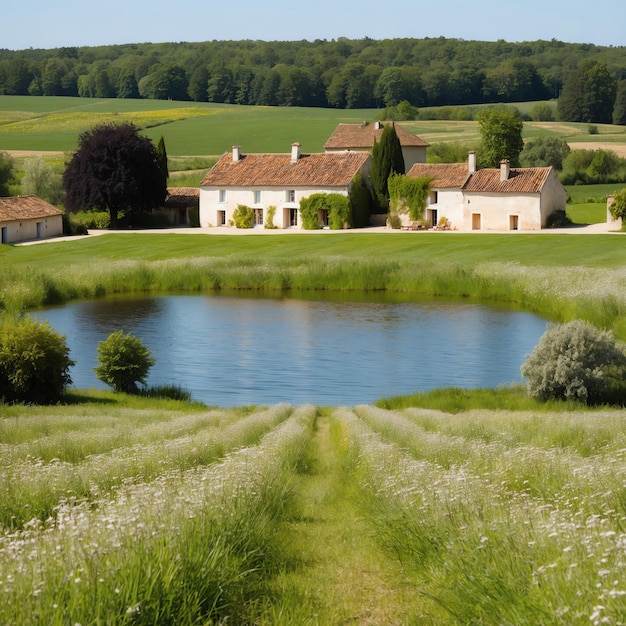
{"x": 343, "y": 73}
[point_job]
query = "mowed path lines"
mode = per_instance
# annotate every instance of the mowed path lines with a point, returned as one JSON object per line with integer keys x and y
{"x": 334, "y": 570}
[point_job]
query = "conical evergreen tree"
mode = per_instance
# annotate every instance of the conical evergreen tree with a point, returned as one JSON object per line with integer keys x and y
{"x": 162, "y": 159}
{"x": 386, "y": 159}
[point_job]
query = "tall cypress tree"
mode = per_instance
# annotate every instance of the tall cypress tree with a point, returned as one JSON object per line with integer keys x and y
{"x": 386, "y": 159}
{"x": 162, "y": 159}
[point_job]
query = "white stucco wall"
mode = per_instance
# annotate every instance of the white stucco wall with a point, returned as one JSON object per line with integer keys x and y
{"x": 25, "y": 230}
{"x": 210, "y": 204}
{"x": 496, "y": 211}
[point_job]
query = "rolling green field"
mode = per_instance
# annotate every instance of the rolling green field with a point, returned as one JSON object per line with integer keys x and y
{"x": 192, "y": 128}
{"x": 128, "y": 511}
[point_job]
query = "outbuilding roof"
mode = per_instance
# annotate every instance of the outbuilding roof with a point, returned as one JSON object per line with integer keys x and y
{"x": 15, "y": 208}
{"x": 487, "y": 180}
{"x": 362, "y": 136}
{"x": 273, "y": 170}
{"x": 445, "y": 175}
{"x": 519, "y": 180}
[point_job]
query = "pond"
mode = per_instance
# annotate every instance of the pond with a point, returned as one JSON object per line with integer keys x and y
{"x": 230, "y": 350}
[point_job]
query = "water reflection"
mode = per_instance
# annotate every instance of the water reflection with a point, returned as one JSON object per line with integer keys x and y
{"x": 238, "y": 350}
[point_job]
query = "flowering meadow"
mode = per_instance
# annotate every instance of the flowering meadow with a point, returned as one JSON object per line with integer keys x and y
{"x": 298, "y": 515}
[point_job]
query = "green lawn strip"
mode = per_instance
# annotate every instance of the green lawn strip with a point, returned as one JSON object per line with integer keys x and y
{"x": 334, "y": 573}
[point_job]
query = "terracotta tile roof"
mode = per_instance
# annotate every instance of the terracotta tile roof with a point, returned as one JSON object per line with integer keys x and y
{"x": 273, "y": 170}
{"x": 26, "y": 208}
{"x": 182, "y": 196}
{"x": 487, "y": 180}
{"x": 520, "y": 180}
{"x": 445, "y": 175}
{"x": 362, "y": 136}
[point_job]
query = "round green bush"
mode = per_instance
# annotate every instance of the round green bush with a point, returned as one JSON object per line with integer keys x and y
{"x": 123, "y": 362}
{"x": 575, "y": 361}
{"x": 34, "y": 363}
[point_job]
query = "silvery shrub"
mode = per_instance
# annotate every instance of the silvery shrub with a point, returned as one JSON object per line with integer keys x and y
{"x": 575, "y": 361}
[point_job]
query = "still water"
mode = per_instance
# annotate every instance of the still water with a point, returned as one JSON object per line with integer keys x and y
{"x": 231, "y": 351}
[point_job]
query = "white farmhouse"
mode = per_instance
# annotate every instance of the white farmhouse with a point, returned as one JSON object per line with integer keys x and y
{"x": 361, "y": 138}
{"x": 500, "y": 199}
{"x": 28, "y": 217}
{"x": 261, "y": 181}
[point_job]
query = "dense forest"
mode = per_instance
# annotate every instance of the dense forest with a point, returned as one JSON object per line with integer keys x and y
{"x": 343, "y": 73}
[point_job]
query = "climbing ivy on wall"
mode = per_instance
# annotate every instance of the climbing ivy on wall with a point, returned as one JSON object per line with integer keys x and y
{"x": 409, "y": 195}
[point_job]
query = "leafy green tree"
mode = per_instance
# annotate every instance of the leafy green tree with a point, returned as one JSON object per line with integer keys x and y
{"x": 541, "y": 112}
{"x": 198, "y": 82}
{"x": 6, "y": 172}
{"x": 575, "y": 361}
{"x": 386, "y": 159}
{"x": 619, "y": 109}
{"x": 34, "y": 363}
{"x": 618, "y": 208}
{"x": 169, "y": 82}
{"x": 588, "y": 94}
{"x": 127, "y": 85}
{"x": 40, "y": 180}
{"x": 501, "y": 136}
{"x": 115, "y": 170}
{"x": 545, "y": 151}
{"x": 123, "y": 361}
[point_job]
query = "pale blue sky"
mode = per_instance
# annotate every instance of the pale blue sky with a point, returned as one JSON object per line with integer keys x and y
{"x": 39, "y": 24}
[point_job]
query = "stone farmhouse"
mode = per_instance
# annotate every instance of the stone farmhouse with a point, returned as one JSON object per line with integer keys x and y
{"x": 500, "y": 199}
{"x": 361, "y": 137}
{"x": 489, "y": 199}
{"x": 24, "y": 218}
{"x": 261, "y": 181}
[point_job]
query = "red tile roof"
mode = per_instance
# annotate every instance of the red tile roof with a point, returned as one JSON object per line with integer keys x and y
{"x": 520, "y": 180}
{"x": 182, "y": 196}
{"x": 273, "y": 170}
{"x": 362, "y": 136}
{"x": 16, "y": 208}
{"x": 487, "y": 180}
{"x": 445, "y": 175}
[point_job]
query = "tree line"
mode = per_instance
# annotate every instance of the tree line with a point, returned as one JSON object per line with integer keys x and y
{"x": 342, "y": 73}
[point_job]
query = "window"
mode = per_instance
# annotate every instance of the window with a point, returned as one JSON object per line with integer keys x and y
{"x": 257, "y": 197}
{"x": 291, "y": 195}
{"x": 222, "y": 195}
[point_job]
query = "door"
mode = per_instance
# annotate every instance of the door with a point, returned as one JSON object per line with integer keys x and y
{"x": 514, "y": 222}
{"x": 475, "y": 221}
{"x": 5, "y": 234}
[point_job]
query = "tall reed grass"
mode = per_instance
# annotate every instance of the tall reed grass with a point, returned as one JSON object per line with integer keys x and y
{"x": 597, "y": 295}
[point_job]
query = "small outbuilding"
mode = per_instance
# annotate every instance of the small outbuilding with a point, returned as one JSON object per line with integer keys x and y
{"x": 361, "y": 138}
{"x": 23, "y": 218}
{"x": 500, "y": 199}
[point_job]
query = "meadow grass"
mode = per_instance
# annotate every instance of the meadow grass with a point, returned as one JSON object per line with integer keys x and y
{"x": 189, "y": 547}
{"x": 479, "y": 553}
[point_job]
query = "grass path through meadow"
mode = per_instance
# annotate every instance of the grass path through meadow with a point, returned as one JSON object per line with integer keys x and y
{"x": 336, "y": 574}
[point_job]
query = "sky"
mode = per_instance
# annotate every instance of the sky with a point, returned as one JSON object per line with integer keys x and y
{"x": 45, "y": 24}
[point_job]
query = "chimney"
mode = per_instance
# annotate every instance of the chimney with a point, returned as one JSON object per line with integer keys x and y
{"x": 236, "y": 153}
{"x": 471, "y": 162}
{"x": 505, "y": 170}
{"x": 378, "y": 125}
{"x": 295, "y": 152}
